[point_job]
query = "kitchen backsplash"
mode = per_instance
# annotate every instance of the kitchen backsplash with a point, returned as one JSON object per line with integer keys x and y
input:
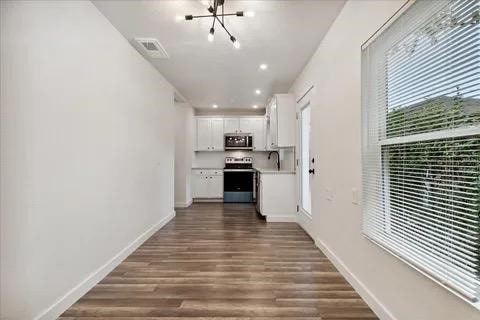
{"x": 260, "y": 159}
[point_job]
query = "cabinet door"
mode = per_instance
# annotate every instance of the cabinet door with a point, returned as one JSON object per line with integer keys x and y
{"x": 273, "y": 125}
{"x": 231, "y": 125}
{"x": 216, "y": 131}
{"x": 215, "y": 186}
{"x": 259, "y": 134}
{"x": 200, "y": 186}
{"x": 246, "y": 125}
{"x": 203, "y": 134}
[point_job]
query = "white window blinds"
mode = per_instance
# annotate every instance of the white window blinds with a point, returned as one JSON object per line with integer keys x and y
{"x": 421, "y": 141}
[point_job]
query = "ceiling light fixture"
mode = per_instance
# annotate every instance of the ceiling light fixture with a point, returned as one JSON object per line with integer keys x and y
{"x": 214, "y": 106}
{"x": 220, "y": 18}
{"x": 258, "y": 92}
{"x": 254, "y": 106}
{"x": 263, "y": 66}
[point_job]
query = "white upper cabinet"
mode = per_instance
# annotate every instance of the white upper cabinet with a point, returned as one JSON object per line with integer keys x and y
{"x": 231, "y": 125}
{"x": 209, "y": 134}
{"x": 211, "y": 131}
{"x": 281, "y": 121}
{"x": 203, "y": 134}
{"x": 217, "y": 134}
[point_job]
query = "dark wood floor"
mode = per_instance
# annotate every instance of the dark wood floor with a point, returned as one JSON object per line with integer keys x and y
{"x": 221, "y": 261}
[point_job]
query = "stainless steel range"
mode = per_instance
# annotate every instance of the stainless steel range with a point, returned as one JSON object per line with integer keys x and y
{"x": 238, "y": 179}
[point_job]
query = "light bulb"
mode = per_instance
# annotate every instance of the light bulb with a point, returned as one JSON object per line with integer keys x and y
{"x": 263, "y": 66}
{"x": 254, "y": 106}
{"x": 214, "y": 106}
{"x": 258, "y": 92}
{"x": 210, "y": 35}
{"x": 236, "y": 44}
{"x": 249, "y": 14}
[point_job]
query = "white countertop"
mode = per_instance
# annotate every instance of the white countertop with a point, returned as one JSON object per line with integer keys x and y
{"x": 273, "y": 171}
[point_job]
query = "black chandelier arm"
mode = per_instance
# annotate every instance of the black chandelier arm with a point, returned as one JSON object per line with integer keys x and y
{"x": 190, "y": 17}
{"x": 223, "y": 26}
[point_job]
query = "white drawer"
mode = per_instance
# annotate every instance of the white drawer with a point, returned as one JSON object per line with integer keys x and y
{"x": 208, "y": 172}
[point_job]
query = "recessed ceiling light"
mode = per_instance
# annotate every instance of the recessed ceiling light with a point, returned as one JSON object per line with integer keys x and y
{"x": 258, "y": 92}
{"x": 214, "y": 106}
{"x": 263, "y": 66}
{"x": 254, "y": 106}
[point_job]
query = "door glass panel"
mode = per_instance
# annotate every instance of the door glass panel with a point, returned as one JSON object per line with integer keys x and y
{"x": 305, "y": 159}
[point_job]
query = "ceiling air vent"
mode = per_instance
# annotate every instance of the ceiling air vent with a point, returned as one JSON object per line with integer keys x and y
{"x": 152, "y": 47}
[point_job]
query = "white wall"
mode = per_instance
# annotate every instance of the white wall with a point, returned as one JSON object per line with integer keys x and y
{"x": 87, "y": 151}
{"x": 336, "y": 123}
{"x": 184, "y": 144}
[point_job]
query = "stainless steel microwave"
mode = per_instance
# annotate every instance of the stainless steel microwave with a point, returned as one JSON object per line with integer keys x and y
{"x": 238, "y": 141}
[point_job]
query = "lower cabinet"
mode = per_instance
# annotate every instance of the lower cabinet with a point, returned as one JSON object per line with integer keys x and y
{"x": 276, "y": 197}
{"x": 207, "y": 184}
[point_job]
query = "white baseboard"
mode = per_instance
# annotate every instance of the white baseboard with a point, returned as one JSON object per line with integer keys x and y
{"x": 62, "y": 304}
{"x": 288, "y": 218}
{"x": 198, "y": 200}
{"x": 373, "y": 302}
{"x": 183, "y": 204}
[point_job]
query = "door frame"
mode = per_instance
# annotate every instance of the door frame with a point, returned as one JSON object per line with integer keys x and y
{"x": 304, "y": 219}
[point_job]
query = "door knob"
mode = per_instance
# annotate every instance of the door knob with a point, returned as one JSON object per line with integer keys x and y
{"x": 311, "y": 171}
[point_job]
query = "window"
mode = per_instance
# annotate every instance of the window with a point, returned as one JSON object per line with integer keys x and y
{"x": 421, "y": 141}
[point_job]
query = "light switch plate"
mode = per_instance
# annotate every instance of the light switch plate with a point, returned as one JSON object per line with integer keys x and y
{"x": 355, "y": 196}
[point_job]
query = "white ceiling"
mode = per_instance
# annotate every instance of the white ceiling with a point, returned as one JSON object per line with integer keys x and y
{"x": 283, "y": 34}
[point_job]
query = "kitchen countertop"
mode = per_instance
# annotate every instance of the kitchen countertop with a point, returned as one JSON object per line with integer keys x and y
{"x": 274, "y": 171}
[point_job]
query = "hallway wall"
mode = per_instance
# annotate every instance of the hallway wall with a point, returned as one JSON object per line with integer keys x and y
{"x": 87, "y": 153}
{"x": 184, "y": 144}
{"x": 393, "y": 289}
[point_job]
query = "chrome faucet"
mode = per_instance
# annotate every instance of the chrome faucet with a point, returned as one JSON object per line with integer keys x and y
{"x": 278, "y": 158}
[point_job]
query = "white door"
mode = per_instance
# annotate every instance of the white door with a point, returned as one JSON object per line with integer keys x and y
{"x": 246, "y": 125}
{"x": 216, "y": 186}
{"x": 231, "y": 125}
{"x": 273, "y": 126}
{"x": 258, "y": 131}
{"x": 306, "y": 163}
{"x": 200, "y": 186}
{"x": 216, "y": 127}
{"x": 203, "y": 134}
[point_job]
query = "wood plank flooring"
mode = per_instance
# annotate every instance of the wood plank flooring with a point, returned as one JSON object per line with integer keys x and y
{"x": 221, "y": 261}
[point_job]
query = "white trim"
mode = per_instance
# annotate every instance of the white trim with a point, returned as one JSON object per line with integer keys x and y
{"x": 197, "y": 200}
{"x": 183, "y": 204}
{"x": 63, "y": 303}
{"x": 435, "y": 135}
{"x": 395, "y": 16}
{"x": 306, "y": 222}
{"x": 373, "y": 302}
{"x": 289, "y": 218}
